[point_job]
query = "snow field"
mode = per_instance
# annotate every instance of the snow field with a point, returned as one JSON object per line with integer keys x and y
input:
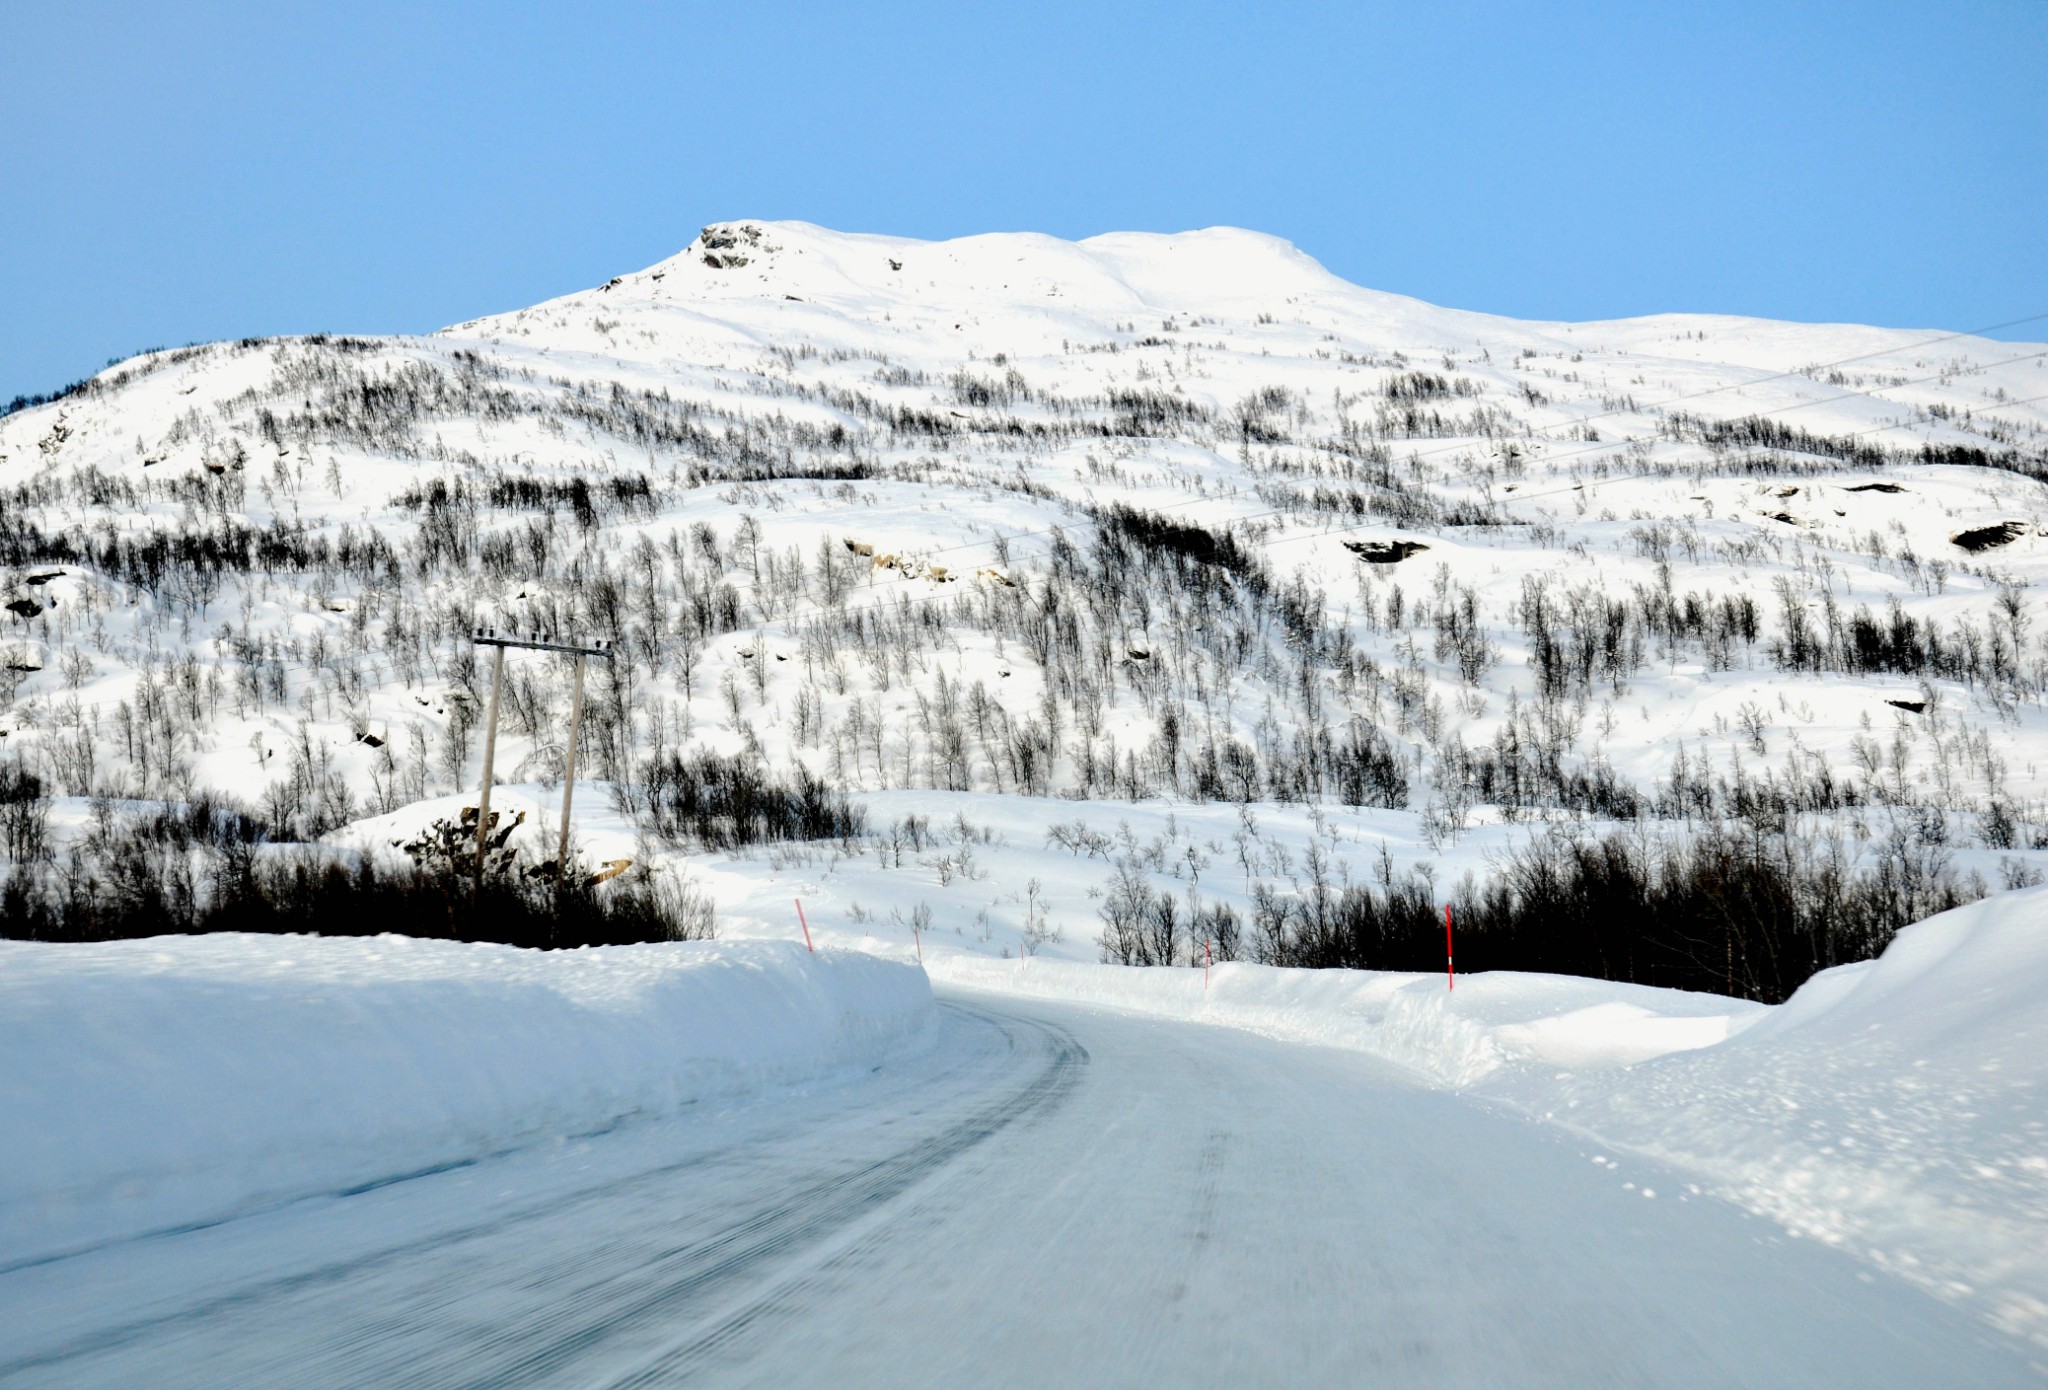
{"x": 1892, "y": 1108}
{"x": 161, "y": 1083}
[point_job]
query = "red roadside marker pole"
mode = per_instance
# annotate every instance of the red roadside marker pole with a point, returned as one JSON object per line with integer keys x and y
{"x": 1205, "y": 963}
{"x": 805, "y": 925}
{"x": 1450, "y": 975}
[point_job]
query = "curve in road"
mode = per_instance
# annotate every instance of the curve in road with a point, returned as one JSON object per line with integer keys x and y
{"x": 1051, "y": 1196}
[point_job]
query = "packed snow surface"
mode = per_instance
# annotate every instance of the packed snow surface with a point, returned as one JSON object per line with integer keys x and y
{"x": 148, "y": 1085}
{"x": 1052, "y": 1195}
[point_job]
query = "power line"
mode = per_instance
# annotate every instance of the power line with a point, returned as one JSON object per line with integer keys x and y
{"x": 1821, "y": 367}
{"x": 1605, "y": 445}
{"x": 1583, "y": 420}
{"x": 1554, "y": 492}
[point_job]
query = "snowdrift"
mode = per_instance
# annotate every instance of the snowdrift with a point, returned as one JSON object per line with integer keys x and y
{"x": 149, "y": 1085}
{"x": 1897, "y": 1107}
{"x": 1453, "y": 1039}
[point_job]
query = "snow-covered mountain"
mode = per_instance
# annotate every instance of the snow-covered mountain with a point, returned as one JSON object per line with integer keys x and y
{"x": 1177, "y": 519}
{"x": 1145, "y": 598}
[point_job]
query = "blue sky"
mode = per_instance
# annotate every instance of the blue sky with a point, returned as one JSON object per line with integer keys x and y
{"x": 207, "y": 170}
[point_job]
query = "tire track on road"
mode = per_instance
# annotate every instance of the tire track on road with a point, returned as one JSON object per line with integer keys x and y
{"x": 1062, "y": 1072}
{"x": 622, "y": 1289}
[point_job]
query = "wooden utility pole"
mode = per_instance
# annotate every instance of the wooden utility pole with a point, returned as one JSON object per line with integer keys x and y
{"x": 483, "y": 805}
{"x": 489, "y": 637}
{"x": 569, "y": 771}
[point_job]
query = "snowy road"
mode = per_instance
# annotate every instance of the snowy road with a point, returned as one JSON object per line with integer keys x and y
{"x": 1054, "y": 1196}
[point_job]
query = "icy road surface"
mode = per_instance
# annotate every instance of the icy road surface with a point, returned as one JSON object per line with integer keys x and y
{"x": 1052, "y": 1196}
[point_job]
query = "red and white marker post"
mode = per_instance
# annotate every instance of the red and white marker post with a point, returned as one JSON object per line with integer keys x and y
{"x": 1450, "y": 975}
{"x": 1205, "y": 963}
{"x": 805, "y": 925}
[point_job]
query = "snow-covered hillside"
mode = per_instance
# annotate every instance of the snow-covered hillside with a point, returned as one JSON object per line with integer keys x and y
{"x": 1180, "y": 519}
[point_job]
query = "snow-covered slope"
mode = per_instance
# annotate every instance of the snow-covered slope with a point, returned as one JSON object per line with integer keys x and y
{"x": 316, "y": 523}
{"x": 227, "y": 564}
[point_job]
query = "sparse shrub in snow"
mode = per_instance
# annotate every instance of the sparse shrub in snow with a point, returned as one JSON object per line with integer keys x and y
{"x": 1716, "y": 911}
{"x": 729, "y": 803}
{"x": 205, "y": 867}
{"x": 24, "y": 815}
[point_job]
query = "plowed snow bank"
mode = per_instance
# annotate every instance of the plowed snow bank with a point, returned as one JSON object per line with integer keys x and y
{"x": 1453, "y": 1039}
{"x": 152, "y": 1084}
